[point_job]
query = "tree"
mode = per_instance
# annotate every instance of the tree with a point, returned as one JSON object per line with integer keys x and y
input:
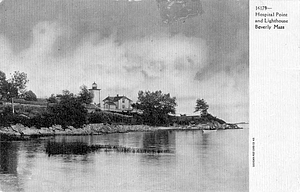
{"x": 69, "y": 111}
{"x": 52, "y": 99}
{"x": 2, "y": 83}
{"x": 201, "y": 106}
{"x": 30, "y": 96}
{"x": 19, "y": 80}
{"x": 14, "y": 86}
{"x": 66, "y": 95}
{"x": 85, "y": 96}
{"x": 2, "y": 77}
{"x": 8, "y": 90}
{"x": 156, "y": 106}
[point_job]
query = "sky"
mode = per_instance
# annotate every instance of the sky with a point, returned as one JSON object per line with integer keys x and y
{"x": 124, "y": 46}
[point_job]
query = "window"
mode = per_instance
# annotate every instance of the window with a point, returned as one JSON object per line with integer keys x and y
{"x": 123, "y": 106}
{"x": 123, "y": 100}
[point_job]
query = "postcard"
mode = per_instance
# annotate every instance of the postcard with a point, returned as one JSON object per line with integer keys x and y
{"x": 149, "y": 95}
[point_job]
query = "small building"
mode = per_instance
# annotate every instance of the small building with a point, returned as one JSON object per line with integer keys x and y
{"x": 120, "y": 103}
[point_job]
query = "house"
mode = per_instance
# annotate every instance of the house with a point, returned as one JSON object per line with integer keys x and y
{"x": 120, "y": 103}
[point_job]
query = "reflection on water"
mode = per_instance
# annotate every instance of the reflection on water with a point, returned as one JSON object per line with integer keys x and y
{"x": 216, "y": 161}
{"x": 160, "y": 139}
{"x": 8, "y": 157}
{"x": 78, "y": 148}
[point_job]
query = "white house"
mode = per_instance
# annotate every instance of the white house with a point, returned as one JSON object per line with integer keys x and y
{"x": 121, "y": 103}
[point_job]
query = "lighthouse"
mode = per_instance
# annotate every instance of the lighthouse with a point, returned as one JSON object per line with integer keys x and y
{"x": 96, "y": 93}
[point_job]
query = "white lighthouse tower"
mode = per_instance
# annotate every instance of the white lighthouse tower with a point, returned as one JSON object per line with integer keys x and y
{"x": 96, "y": 93}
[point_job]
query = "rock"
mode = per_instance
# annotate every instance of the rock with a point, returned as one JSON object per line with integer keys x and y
{"x": 17, "y": 128}
{"x": 29, "y": 131}
{"x": 216, "y": 125}
{"x": 59, "y": 132}
{"x": 96, "y": 128}
{"x": 10, "y": 131}
{"x": 12, "y": 135}
{"x": 223, "y": 126}
{"x": 45, "y": 131}
{"x": 206, "y": 126}
{"x": 68, "y": 131}
{"x": 78, "y": 131}
{"x": 57, "y": 127}
{"x": 87, "y": 129}
{"x": 71, "y": 127}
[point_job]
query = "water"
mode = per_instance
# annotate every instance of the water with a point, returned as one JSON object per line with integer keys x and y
{"x": 216, "y": 161}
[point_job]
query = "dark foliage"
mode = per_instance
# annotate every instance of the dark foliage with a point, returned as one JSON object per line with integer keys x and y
{"x": 68, "y": 112}
{"x": 186, "y": 120}
{"x": 38, "y": 103}
{"x": 8, "y": 90}
{"x": 109, "y": 118}
{"x": 99, "y": 117}
{"x": 209, "y": 118}
{"x": 156, "y": 107}
{"x": 202, "y": 106}
{"x": 13, "y": 87}
{"x": 85, "y": 96}
{"x": 8, "y": 118}
{"x": 30, "y": 96}
{"x": 40, "y": 119}
{"x": 52, "y": 99}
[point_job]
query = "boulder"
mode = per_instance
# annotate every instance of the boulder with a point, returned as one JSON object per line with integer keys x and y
{"x": 29, "y": 131}
{"x": 17, "y": 128}
{"x": 96, "y": 128}
{"x": 68, "y": 131}
{"x": 71, "y": 128}
{"x": 79, "y": 131}
{"x": 223, "y": 126}
{"x": 87, "y": 129}
{"x": 216, "y": 125}
{"x": 57, "y": 127}
{"x": 45, "y": 131}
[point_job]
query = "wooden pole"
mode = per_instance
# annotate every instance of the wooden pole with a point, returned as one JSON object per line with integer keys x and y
{"x": 13, "y": 107}
{"x": 99, "y": 99}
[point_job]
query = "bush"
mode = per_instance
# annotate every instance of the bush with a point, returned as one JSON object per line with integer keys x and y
{"x": 38, "y": 102}
{"x": 7, "y": 118}
{"x": 68, "y": 112}
{"x": 30, "y": 96}
{"x": 107, "y": 117}
{"x": 99, "y": 117}
{"x": 209, "y": 118}
{"x": 155, "y": 106}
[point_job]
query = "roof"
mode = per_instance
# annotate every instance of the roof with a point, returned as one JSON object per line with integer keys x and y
{"x": 115, "y": 99}
{"x": 110, "y": 103}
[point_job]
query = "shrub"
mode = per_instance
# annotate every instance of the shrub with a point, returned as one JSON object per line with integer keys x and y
{"x": 107, "y": 117}
{"x": 99, "y": 117}
{"x": 68, "y": 112}
{"x": 30, "y": 96}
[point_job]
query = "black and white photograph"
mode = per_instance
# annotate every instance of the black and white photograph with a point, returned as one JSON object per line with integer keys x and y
{"x": 124, "y": 95}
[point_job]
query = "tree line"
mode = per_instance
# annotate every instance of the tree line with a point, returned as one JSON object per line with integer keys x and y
{"x": 68, "y": 109}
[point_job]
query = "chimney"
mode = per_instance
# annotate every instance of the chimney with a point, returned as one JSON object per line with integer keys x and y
{"x": 117, "y": 95}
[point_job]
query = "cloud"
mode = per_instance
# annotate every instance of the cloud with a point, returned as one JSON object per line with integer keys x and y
{"x": 186, "y": 62}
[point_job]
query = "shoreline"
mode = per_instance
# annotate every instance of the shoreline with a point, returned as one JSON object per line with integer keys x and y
{"x": 21, "y": 132}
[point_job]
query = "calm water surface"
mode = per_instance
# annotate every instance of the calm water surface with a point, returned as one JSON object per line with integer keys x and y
{"x": 215, "y": 161}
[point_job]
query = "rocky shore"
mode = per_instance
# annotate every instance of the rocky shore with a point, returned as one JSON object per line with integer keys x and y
{"x": 21, "y": 132}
